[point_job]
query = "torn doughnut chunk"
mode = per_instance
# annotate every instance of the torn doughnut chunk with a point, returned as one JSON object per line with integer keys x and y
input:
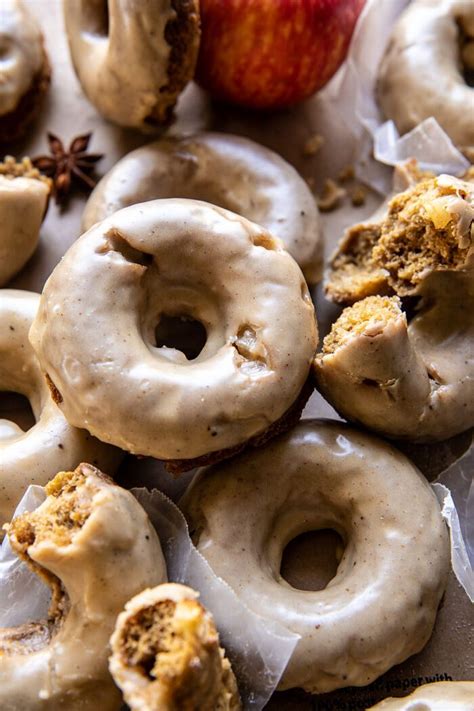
{"x": 93, "y": 545}
{"x": 166, "y": 654}
{"x": 427, "y": 228}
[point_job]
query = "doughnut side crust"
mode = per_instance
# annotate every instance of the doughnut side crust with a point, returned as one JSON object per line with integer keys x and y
{"x": 259, "y": 184}
{"x": 420, "y": 75}
{"x": 381, "y": 606}
{"x": 439, "y": 696}
{"x": 93, "y": 544}
{"x": 52, "y": 444}
{"x": 166, "y": 654}
{"x": 134, "y": 60}
{"x": 173, "y": 257}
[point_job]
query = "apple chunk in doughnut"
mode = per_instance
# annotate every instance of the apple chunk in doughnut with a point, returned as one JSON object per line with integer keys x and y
{"x": 166, "y": 654}
{"x": 381, "y": 606}
{"x": 93, "y": 544}
{"x": 95, "y": 332}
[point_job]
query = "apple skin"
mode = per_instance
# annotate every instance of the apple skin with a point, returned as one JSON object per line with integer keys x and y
{"x": 269, "y": 54}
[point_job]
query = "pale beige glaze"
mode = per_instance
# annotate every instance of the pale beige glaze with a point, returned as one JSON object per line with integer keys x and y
{"x": 101, "y": 564}
{"x": 33, "y": 457}
{"x": 169, "y": 629}
{"x": 381, "y": 606}
{"x": 440, "y": 696}
{"x": 421, "y": 73}
{"x": 410, "y": 381}
{"x": 95, "y": 329}
{"x": 21, "y": 54}
{"x": 229, "y": 171}
{"x": 121, "y": 57}
{"x": 23, "y": 203}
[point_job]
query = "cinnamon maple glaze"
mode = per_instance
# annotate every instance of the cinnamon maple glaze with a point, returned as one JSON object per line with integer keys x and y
{"x": 95, "y": 330}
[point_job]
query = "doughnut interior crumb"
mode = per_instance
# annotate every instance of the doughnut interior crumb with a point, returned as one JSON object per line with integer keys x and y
{"x": 366, "y": 316}
{"x": 58, "y": 519}
{"x": 11, "y": 168}
{"x": 427, "y": 227}
{"x": 175, "y": 645}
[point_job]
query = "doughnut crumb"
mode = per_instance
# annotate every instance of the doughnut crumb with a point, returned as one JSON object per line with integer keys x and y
{"x": 11, "y": 168}
{"x": 171, "y": 642}
{"x": 368, "y": 316}
{"x": 428, "y": 227}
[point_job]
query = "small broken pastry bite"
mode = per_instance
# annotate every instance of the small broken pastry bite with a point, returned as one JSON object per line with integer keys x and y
{"x": 166, "y": 654}
{"x": 25, "y": 72}
{"x": 439, "y": 696}
{"x": 95, "y": 547}
{"x": 177, "y": 260}
{"x": 259, "y": 184}
{"x": 404, "y": 367}
{"x": 133, "y": 58}
{"x": 24, "y": 197}
{"x": 428, "y": 67}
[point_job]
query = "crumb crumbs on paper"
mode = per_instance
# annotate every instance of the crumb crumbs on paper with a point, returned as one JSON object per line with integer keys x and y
{"x": 331, "y": 196}
{"x": 346, "y": 174}
{"x": 313, "y": 144}
{"x": 358, "y": 195}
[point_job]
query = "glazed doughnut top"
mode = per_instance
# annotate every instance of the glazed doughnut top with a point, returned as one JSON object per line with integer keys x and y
{"x": 95, "y": 329}
{"x": 21, "y": 53}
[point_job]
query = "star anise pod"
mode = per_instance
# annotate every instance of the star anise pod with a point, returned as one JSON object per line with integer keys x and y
{"x": 68, "y": 167}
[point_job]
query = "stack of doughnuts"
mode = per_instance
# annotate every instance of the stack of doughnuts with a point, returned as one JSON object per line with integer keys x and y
{"x": 180, "y": 326}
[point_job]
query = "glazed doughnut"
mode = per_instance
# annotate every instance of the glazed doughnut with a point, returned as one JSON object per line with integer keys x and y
{"x": 177, "y": 257}
{"x": 24, "y": 196}
{"x": 421, "y": 74}
{"x": 380, "y": 607}
{"x": 93, "y": 544}
{"x": 133, "y": 59}
{"x": 166, "y": 654}
{"x": 258, "y": 184}
{"x": 404, "y": 380}
{"x": 24, "y": 70}
{"x": 440, "y": 696}
{"x": 33, "y": 457}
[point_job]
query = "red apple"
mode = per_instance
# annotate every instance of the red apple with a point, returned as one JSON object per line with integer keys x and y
{"x": 269, "y": 54}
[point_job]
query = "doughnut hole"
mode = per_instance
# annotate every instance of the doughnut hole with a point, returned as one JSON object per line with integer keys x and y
{"x": 310, "y": 561}
{"x": 15, "y": 412}
{"x": 183, "y": 333}
{"x": 466, "y": 50}
{"x": 95, "y": 17}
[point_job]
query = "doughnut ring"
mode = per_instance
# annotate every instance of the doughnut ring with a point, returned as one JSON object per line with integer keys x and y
{"x": 178, "y": 258}
{"x": 421, "y": 74}
{"x": 93, "y": 544}
{"x": 259, "y": 184}
{"x": 133, "y": 59}
{"x": 166, "y": 654}
{"x": 52, "y": 444}
{"x": 381, "y": 606}
{"x": 24, "y": 197}
{"x": 439, "y": 696}
{"x": 25, "y": 72}
{"x": 406, "y": 380}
